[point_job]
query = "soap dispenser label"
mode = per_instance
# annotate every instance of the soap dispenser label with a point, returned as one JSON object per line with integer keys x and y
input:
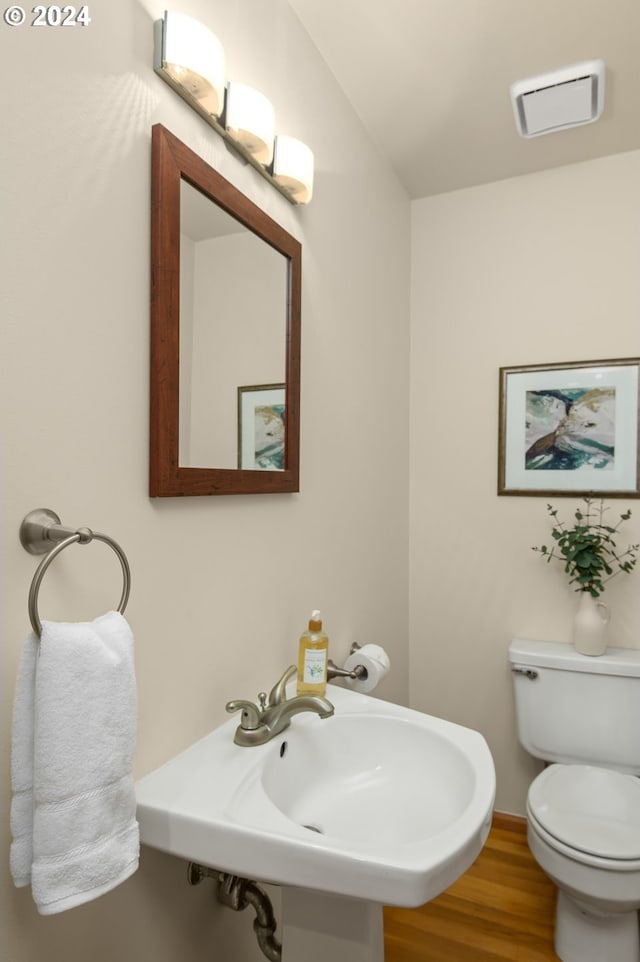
{"x": 315, "y": 663}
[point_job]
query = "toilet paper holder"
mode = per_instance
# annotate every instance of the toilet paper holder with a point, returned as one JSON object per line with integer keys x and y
{"x": 333, "y": 671}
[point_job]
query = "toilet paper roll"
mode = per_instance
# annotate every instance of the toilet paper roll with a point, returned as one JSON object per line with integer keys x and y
{"x": 375, "y": 660}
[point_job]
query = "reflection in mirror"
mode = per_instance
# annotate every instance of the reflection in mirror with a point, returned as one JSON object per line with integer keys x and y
{"x": 232, "y": 333}
{"x": 225, "y": 335}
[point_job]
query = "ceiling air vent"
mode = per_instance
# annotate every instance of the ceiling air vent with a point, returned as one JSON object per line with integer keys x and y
{"x": 563, "y": 98}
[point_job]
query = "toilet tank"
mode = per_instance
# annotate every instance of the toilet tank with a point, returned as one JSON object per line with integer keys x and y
{"x": 575, "y": 708}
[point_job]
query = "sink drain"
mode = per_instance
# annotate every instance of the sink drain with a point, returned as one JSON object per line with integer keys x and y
{"x": 314, "y": 828}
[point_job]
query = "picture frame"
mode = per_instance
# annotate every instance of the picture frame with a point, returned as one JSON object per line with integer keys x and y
{"x": 261, "y": 427}
{"x": 570, "y": 429}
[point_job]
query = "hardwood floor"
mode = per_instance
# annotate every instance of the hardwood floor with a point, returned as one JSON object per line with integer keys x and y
{"x": 501, "y": 909}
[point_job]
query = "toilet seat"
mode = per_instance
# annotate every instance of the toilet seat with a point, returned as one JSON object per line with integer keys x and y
{"x": 592, "y": 810}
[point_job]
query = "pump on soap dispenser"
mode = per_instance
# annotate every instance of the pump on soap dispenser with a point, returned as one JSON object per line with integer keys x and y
{"x": 313, "y": 651}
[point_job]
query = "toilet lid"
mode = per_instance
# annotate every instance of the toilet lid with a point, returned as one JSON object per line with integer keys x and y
{"x": 590, "y": 809}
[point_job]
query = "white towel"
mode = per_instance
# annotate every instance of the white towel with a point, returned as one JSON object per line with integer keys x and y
{"x": 21, "y": 855}
{"x": 75, "y": 834}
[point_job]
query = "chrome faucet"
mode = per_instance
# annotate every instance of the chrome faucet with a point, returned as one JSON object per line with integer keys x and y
{"x": 262, "y": 722}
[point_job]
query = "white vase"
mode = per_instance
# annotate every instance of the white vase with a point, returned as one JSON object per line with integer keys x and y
{"x": 590, "y": 625}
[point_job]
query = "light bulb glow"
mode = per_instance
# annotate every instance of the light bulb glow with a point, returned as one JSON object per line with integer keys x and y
{"x": 194, "y": 58}
{"x": 250, "y": 120}
{"x": 293, "y": 168}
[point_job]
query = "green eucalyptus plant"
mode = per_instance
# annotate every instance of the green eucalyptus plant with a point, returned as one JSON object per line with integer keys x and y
{"x": 588, "y": 548}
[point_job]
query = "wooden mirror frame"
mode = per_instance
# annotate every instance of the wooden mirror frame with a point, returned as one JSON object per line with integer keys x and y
{"x": 173, "y": 161}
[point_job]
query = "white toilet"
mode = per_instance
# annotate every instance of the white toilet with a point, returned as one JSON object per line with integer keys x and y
{"x": 582, "y": 716}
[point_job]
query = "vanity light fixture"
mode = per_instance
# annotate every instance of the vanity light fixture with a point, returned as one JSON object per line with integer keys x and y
{"x": 190, "y": 58}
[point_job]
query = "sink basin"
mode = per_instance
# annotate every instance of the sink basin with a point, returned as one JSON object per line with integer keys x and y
{"x": 370, "y": 778}
{"x": 378, "y": 802}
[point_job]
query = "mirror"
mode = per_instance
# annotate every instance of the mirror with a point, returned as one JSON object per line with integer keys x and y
{"x": 225, "y": 335}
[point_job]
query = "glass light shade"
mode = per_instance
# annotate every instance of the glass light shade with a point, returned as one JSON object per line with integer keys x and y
{"x": 250, "y": 120}
{"x": 194, "y": 59}
{"x": 293, "y": 168}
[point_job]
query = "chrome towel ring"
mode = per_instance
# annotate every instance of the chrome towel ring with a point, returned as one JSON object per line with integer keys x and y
{"x": 41, "y": 528}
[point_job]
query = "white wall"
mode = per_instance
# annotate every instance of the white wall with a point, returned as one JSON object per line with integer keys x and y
{"x": 222, "y": 587}
{"x": 534, "y": 270}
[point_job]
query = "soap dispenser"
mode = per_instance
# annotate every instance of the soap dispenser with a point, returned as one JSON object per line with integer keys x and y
{"x": 313, "y": 651}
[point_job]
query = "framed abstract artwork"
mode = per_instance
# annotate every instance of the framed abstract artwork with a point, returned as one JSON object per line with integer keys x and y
{"x": 570, "y": 429}
{"x": 261, "y": 427}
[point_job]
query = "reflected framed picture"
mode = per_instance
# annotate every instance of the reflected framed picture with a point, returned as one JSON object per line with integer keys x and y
{"x": 261, "y": 427}
{"x": 570, "y": 429}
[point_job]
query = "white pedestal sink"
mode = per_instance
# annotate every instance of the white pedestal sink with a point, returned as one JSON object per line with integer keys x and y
{"x": 375, "y": 805}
